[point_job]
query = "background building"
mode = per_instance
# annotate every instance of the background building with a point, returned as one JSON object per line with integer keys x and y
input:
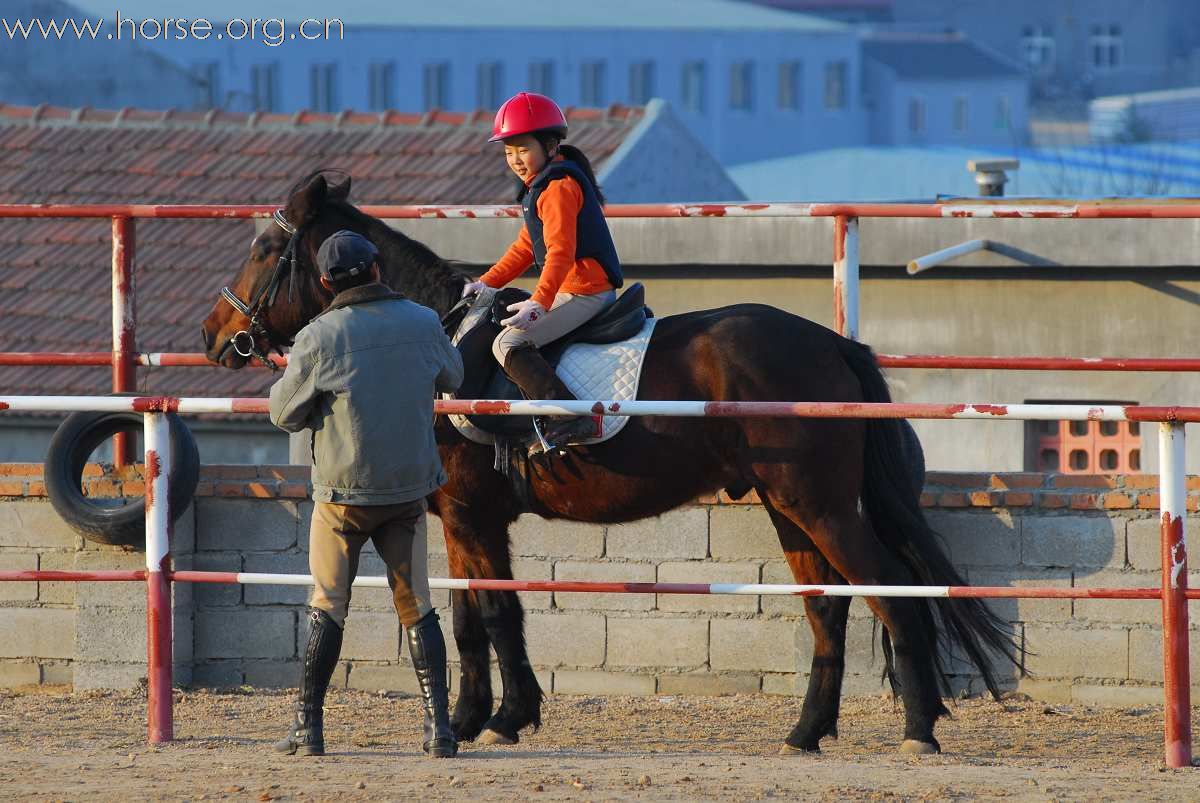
{"x": 81, "y": 72}
{"x": 748, "y": 82}
{"x": 938, "y": 89}
{"x": 1077, "y": 49}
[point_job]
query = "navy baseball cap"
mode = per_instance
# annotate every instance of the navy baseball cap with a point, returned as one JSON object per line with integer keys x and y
{"x": 345, "y": 253}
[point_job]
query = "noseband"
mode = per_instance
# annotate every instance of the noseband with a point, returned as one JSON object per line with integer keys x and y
{"x": 244, "y": 342}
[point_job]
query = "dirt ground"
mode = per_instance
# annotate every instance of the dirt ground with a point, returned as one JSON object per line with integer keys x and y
{"x": 57, "y": 745}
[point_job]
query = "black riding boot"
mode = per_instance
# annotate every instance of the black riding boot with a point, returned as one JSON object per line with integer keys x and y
{"x": 307, "y": 735}
{"x": 428, "y": 650}
{"x": 528, "y": 368}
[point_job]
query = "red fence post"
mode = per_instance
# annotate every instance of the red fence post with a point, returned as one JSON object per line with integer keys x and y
{"x": 124, "y": 321}
{"x": 1176, "y": 674}
{"x": 845, "y": 276}
{"x": 159, "y": 703}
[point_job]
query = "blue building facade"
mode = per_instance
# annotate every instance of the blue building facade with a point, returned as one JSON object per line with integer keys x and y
{"x": 942, "y": 90}
{"x": 748, "y": 82}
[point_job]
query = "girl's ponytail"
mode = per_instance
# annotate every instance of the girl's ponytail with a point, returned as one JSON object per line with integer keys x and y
{"x": 577, "y": 156}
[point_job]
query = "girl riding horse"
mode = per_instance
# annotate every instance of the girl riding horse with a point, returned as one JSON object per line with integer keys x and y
{"x": 566, "y": 237}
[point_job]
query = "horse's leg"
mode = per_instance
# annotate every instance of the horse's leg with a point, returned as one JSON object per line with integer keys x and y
{"x": 853, "y": 550}
{"x": 827, "y": 618}
{"x": 480, "y": 550}
{"x": 474, "y": 704}
{"x": 521, "y": 701}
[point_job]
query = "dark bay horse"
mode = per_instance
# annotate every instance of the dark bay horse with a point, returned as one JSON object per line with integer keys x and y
{"x": 837, "y": 490}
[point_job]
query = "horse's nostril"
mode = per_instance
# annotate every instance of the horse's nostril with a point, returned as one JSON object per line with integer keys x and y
{"x": 206, "y": 338}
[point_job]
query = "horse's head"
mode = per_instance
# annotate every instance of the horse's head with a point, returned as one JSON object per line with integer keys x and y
{"x": 277, "y": 291}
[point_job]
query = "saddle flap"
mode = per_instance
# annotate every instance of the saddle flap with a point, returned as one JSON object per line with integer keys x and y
{"x": 620, "y": 321}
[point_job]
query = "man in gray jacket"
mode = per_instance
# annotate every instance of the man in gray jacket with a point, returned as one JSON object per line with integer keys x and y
{"x": 362, "y": 376}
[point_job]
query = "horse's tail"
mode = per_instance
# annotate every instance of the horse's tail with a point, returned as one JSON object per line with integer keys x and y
{"x": 892, "y": 502}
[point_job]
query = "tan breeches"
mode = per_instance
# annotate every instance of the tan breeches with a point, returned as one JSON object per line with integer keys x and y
{"x": 568, "y": 312}
{"x": 336, "y": 538}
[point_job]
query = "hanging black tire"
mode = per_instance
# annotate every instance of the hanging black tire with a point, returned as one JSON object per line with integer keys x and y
{"x": 122, "y": 523}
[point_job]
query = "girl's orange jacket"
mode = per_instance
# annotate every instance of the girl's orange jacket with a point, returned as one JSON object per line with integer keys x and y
{"x": 558, "y": 207}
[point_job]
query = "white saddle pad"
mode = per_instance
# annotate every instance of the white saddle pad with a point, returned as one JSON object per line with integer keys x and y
{"x": 606, "y": 371}
{"x": 592, "y": 371}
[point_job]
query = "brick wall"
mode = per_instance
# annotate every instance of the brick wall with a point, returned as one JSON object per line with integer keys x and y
{"x": 1001, "y": 529}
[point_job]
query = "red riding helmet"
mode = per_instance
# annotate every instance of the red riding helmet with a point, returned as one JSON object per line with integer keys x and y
{"x": 527, "y": 113}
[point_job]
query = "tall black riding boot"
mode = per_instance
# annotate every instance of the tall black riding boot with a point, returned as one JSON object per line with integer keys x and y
{"x": 528, "y": 368}
{"x": 428, "y": 650}
{"x": 307, "y": 736}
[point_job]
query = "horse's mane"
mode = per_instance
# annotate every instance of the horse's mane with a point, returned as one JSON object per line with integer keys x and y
{"x": 409, "y": 266}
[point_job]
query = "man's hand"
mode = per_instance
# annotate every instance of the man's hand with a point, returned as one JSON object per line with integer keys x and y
{"x": 472, "y": 289}
{"x": 527, "y": 312}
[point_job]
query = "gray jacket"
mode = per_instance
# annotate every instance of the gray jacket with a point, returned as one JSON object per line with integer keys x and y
{"x": 362, "y": 376}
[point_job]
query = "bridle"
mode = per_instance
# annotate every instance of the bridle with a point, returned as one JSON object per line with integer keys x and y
{"x": 244, "y": 342}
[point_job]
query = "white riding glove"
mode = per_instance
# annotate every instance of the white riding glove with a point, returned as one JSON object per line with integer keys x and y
{"x": 472, "y": 289}
{"x": 527, "y": 312}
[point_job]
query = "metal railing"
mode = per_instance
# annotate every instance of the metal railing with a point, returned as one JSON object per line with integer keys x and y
{"x": 158, "y": 574}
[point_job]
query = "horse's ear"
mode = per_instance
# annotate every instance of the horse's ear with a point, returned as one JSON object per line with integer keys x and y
{"x": 304, "y": 204}
{"x": 340, "y": 192}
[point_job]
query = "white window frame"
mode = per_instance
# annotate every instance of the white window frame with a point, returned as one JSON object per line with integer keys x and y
{"x": 693, "y": 86}
{"x": 323, "y": 87}
{"x": 741, "y": 86}
{"x": 541, "y": 77}
{"x": 593, "y": 87}
{"x": 1039, "y": 49}
{"x": 839, "y": 99}
{"x": 918, "y": 112}
{"x": 1106, "y": 47}
{"x": 381, "y": 85}
{"x": 264, "y": 86}
{"x": 435, "y": 85}
{"x": 790, "y": 96}
{"x": 210, "y": 73}
{"x": 641, "y": 82}
{"x": 960, "y": 114}
{"x": 489, "y": 84}
{"x": 1002, "y": 119}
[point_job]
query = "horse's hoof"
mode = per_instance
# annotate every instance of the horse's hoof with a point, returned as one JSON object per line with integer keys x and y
{"x": 788, "y": 750}
{"x": 489, "y": 736}
{"x": 464, "y": 733}
{"x": 914, "y": 747}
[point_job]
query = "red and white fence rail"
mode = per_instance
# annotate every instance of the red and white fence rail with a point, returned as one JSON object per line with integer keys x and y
{"x": 124, "y": 358}
{"x": 158, "y": 574}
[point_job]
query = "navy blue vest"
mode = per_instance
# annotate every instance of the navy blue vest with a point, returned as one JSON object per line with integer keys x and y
{"x": 592, "y": 238}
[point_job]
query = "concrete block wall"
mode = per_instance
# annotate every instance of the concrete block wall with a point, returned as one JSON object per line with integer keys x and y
{"x": 1001, "y": 529}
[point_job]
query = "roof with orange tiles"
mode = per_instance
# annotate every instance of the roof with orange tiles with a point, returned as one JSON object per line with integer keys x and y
{"x": 55, "y": 284}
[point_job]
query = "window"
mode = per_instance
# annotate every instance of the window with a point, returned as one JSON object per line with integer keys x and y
{"x": 1003, "y": 118}
{"x": 916, "y": 116}
{"x": 323, "y": 87}
{"x": 641, "y": 82}
{"x": 791, "y": 75}
{"x": 741, "y": 85}
{"x": 489, "y": 84}
{"x": 592, "y": 89}
{"x": 1084, "y": 447}
{"x": 960, "y": 114}
{"x": 1037, "y": 47}
{"x": 436, "y": 85}
{"x": 381, "y": 89}
{"x": 264, "y": 87}
{"x": 835, "y": 84}
{"x": 209, "y": 74}
{"x": 693, "y": 86}
{"x": 1105, "y": 45}
{"x": 541, "y": 77}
